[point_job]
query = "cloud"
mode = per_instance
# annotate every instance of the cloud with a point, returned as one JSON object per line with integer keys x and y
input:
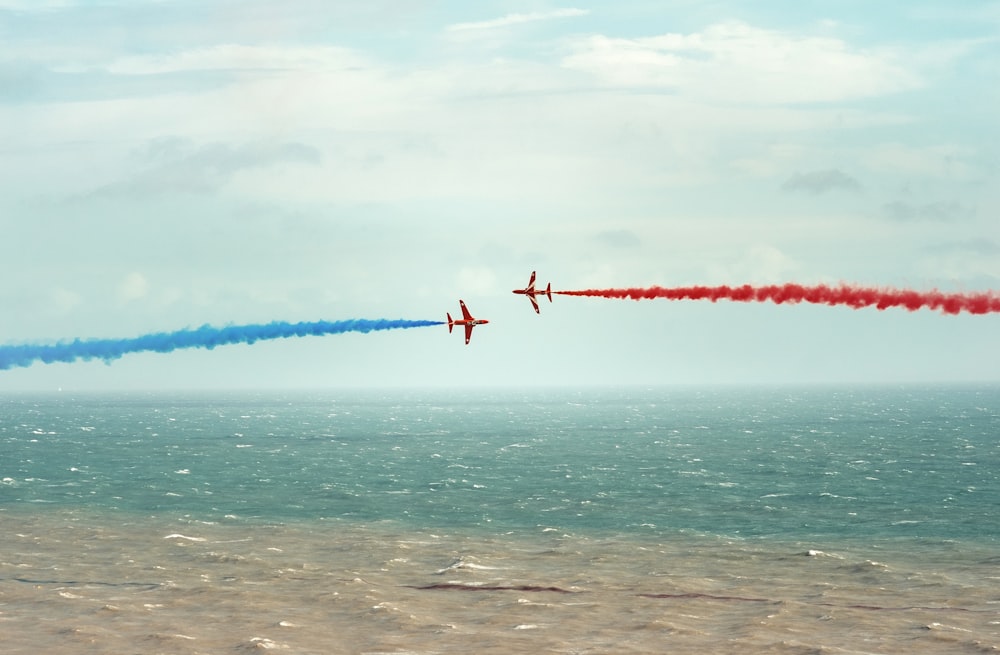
{"x": 175, "y": 165}
{"x": 66, "y": 72}
{"x": 36, "y": 84}
{"x": 759, "y": 264}
{"x": 817, "y": 182}
{"x": 516, "y": 19}
{"x": 233, "y": 57}
{"x": 63, "y": 301}
{"x": 34, "y": 5}
{"x": 736, "y": 62}
{"x": 941, "y": 211}
{"x": 478, "y": 280}
{"x": 975, "y": 261}
{"x": 946, "y": 160}
{"x": 19, "y": 80}
{"x": 619, "y": 238}
{"x": 133, "y": 287}
{"x": 980, "y": 247}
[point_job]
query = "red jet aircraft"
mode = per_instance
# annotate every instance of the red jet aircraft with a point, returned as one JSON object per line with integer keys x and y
{"x": 530, "y": 292}
{"x": 467, "y": 320}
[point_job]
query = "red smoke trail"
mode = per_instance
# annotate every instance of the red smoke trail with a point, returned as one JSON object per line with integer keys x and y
{"x": 843, "y": 294}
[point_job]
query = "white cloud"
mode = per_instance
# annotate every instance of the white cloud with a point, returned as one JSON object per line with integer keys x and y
{"x": 475, "y": 281}
{"x": 240, "y": 57}
{"x": 970, "y": 260}
{"x": 739, "y": 63}
{"x": 515, "y": 19}
{"x": 35, "y": 5}
{"x": 771, "y": 160}
{"x": 939, "y": 212}
{"x": 133, "y": 287}
{"x": 63, "y": 301}
{"x": 818, "y": 182}
{"x": 937, "y": 161}
{"x": 759, "y": 264}
{"x": 441, "y": 131}
{"x": 176, "y": 166}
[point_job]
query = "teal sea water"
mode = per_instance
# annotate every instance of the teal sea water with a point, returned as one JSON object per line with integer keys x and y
{"x": 862, "y": 519}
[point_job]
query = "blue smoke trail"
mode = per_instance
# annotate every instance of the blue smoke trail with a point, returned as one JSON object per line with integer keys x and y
{"x": 204, "y": 337}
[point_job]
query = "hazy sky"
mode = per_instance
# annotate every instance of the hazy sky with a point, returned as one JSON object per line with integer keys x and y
{"x": 172, "y": 163}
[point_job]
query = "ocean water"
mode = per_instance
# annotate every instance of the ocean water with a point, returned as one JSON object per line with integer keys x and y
{"x": 775, "y": 520}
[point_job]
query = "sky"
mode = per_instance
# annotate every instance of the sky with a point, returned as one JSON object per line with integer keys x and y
{"x": 167, "y": 164}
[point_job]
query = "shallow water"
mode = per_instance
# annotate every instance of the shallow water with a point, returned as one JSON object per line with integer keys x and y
{"x": 770, "y": 521}
{"x": 76, "y": 582}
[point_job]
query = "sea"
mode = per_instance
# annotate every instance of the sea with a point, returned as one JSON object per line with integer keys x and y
{"x": 840, "y": 519}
